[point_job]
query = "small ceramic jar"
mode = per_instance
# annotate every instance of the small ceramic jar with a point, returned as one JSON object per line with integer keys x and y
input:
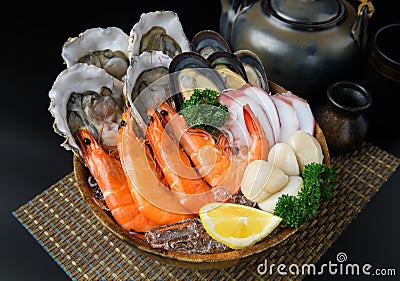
{"x": 342, "y": 117}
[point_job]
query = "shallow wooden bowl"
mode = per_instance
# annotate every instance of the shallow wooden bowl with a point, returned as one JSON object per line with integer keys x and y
{"x": 175, "y": 258}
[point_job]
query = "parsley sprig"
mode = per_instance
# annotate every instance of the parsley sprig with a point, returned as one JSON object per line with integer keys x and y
{"x": 318, "y": 181}
{"x": 203, "y": 110}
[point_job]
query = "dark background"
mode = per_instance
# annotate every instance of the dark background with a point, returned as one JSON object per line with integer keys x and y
{"x": 32, "y": 159}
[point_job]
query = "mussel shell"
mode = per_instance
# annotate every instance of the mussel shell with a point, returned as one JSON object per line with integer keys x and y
{"x": 207, "y": 41}
{"x": 103, "y": 47}
{"x": 230, "y": 65}
{"x": 86, "y": 96}
{"x": 158, "y": 31}
{"x": 254, "y": 68}
{"x": 188, "y": 60}
{"x": 192, "y": 71}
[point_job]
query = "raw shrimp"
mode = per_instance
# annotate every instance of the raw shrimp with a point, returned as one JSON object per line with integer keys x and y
{"x": 154, "y": 200}
{"x": 111, "y": 179}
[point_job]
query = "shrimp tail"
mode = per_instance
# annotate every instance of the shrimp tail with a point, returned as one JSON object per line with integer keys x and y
{"x": 259, "y": 148}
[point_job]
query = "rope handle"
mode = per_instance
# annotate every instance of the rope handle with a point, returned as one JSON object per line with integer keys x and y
{"x": 368, "y": 3}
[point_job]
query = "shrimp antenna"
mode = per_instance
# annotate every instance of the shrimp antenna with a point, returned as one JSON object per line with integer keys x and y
{"x": 104, "y": 121}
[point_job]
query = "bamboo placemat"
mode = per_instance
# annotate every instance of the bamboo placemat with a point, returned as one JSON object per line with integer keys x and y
{"x": 62, "y": 223}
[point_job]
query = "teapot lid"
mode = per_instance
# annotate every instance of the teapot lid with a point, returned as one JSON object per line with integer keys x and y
{"x": 307, "y": 12}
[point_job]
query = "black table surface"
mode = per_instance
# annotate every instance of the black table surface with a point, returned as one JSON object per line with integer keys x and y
{"x": 32, "y": 159}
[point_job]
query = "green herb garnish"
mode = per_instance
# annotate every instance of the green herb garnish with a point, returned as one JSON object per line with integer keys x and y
{"x": 319, "y": 175}
{"x": 318, "y": 180}
{"x": 203, "y": 110}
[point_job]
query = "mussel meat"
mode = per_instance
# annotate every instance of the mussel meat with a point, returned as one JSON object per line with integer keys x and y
{"x": 192, "y": 71}
{"x": 230, "y": 67}
{"x": 254, "y": 68}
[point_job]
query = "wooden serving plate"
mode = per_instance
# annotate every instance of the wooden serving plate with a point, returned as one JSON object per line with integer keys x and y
{"x": 180, "y": 259}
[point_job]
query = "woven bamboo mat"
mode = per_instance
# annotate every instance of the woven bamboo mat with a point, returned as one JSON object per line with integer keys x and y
{"x": 66, "y": 228}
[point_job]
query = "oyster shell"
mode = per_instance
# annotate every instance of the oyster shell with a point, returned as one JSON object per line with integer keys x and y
{"x": 86, "y": 96}
{"x": 144, "y": 70}
{"x": 158, "y": 31}
{"x": 103, "y": 47}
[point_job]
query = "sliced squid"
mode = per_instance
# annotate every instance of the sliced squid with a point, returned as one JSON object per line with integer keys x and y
{"x": 264, "y": 99}
{"x": 262, "y": 106}
{"x": 304, "y": 113}
{"x": 235, "y": 100}
{"x": 288, "y": 117}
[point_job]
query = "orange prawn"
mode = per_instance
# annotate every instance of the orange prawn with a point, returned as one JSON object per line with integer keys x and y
{"x": 214, "y": 159}
{"x": 111, "y": 179}
{"x": 190, "y": 188}
{"x": 154, "y": 200}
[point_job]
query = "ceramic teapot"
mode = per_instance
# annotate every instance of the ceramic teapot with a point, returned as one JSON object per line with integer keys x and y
{"x": 304, "y": 44}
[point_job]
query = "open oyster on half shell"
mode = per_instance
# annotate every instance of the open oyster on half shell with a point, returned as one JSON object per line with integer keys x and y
{"x": 144, "y": 70}
{"x": 158, "y": 31}
{"x": 85, "y": 96}
{"x": 103, "y": 47}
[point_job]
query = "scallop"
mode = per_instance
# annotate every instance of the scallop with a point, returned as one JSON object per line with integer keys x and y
{"x": 158, "y": 31}
{"x": 306, "y": 147}
{"x": 292, "y": 188}
{"x": 103, "y": 47}
{"x": 283, "y": 156}
{"x": 85, "y": 96}
{"x": 261, "y": 180}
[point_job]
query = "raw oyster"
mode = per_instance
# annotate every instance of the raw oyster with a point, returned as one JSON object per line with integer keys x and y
{"x": 144, "y": 71}
{"x": 158, "y": 31}
{"x": 86, "y": 96}
{"x": 103, "y": 47}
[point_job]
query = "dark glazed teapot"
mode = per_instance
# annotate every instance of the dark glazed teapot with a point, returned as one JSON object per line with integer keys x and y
{"x": 303, "y": 44}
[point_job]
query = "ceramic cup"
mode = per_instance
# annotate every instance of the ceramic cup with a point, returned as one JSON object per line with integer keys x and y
{"x": 342, "y": 117}
{"x": 382, "y": 78}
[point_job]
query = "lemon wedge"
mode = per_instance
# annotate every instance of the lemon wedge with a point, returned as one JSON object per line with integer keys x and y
{"x": 237, "y": 226}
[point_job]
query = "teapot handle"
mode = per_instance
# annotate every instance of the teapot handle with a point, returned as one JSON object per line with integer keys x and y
{"x": 359, "y": 29}
{"x": 370, "y": 6}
